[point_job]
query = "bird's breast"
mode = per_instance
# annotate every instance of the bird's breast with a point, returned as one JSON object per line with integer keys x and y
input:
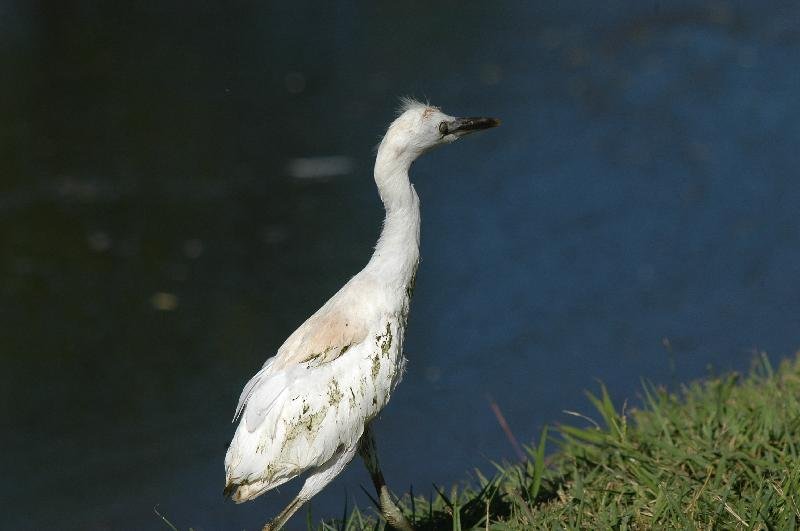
{"x": 386, "y": 362}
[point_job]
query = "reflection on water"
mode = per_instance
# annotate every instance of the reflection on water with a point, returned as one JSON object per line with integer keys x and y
{"x": 180, "y": 188}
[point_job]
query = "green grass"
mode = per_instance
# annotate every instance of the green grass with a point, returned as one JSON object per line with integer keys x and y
{"x": 719, "y": 454}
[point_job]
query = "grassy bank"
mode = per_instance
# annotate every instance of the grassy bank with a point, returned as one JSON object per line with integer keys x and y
{"x": 719, "y": 454}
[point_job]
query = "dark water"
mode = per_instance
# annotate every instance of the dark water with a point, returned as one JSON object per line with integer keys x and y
{"x": 156, "y": 247}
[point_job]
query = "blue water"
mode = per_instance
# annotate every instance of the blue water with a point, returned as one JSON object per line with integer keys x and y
{"x": 635, "y": 217}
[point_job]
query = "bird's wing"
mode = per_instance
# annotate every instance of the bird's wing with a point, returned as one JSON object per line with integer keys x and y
{"x": 321, "y": 339}
{"x": 250, "y": 387}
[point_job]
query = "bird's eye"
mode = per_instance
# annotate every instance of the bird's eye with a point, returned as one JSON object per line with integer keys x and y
{"x": 443, "y": 128}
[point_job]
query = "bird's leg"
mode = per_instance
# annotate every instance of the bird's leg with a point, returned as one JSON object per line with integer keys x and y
{"x": 313, "y": 484}
{"x": 389, "y": 510}
{"x": 278, "y": 522}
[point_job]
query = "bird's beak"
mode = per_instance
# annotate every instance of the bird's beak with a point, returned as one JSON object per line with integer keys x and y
{"x": 465, "y": 126}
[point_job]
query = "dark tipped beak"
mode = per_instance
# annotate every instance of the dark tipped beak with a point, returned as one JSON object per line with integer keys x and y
{"x": 463, "y": 126}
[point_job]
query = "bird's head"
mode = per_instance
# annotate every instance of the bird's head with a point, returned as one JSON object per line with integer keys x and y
{"x": 420, "y": 127}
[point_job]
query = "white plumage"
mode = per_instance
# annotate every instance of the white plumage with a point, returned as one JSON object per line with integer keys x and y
{"x": 308, "y": 409}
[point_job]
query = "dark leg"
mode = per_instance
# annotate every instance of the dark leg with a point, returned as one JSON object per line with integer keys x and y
{"x": 389, "y": 510}
{"x": 278, "y": 522}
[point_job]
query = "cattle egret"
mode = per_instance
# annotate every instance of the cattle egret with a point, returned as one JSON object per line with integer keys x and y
{"x": 310, "y": 406}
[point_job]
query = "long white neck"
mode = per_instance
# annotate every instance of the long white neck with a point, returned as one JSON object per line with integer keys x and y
{"x": 397, "y": 253}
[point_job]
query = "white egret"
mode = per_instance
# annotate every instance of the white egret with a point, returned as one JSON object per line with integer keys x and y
{"x": 309, "y": 408}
